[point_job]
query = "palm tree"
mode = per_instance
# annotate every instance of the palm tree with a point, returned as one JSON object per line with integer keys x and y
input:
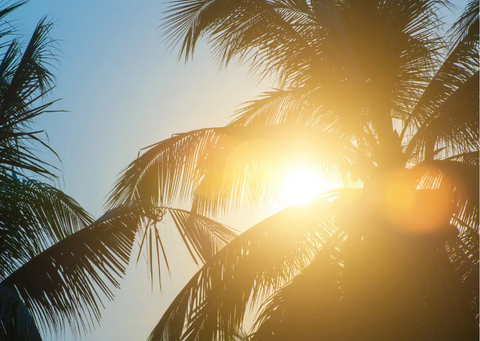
{"x": 375, "y": 91}
{"x": 57, "y": 264}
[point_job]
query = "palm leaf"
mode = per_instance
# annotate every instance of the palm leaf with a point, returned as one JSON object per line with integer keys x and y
{"x": 24, "y": 80}
{"x": 277, "y": 107}
{"x": 445, "y": 127}
{"x": 196, "y": 165}
{"x": 31, "y": 73}
{"x": 16, "y": 322}
{"x": 303, "y": 308}
{"x": 165, "y": 171}
{"x": 462, "y": 180}
{"x": 203, "y": 237}
{"x": 456, "y": 67}
{"x": 34, "y": 216}
{"x": 314, "y": 107}
{"x": 258, "y": 261}
{"x": 240, "y": 28}
{"x": 466, "y": 27}
{"x": 64, "y": 283}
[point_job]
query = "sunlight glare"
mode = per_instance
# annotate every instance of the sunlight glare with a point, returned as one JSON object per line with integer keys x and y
{"x": 301, "y": 185}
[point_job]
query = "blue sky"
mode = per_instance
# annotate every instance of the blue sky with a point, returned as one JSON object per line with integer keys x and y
{"x": 124, "y": 90}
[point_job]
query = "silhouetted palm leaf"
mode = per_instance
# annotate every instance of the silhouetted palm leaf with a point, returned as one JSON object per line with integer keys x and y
{"x": 255, "y": 263}
{"x": 466, "y": 27}
{"x": 453, "y": 89}
{"x": 24, "y": 81}
{"x": 16, "y": 321}
{"x": 66, "y": 282}
{"x": 304, "y": 306}
{"x": 33, "y": 216}
{"x": 220, "y": 168}
{"x": 279, "y": 106}
{"x": 63, "y": 283}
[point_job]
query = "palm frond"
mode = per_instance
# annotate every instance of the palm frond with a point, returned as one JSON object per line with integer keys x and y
{"x": 462, "y": 180}
{"x": 63, "y": 284}
{"x": 200, "y": 165}
{"x": 251, "y": 172}
{"x": 466, "y": 27}
{"x": 305, "y": 307}
{"x": 470, "y": 158}
{"x": 248, "y": 30}
{"x": 262, "y": 259}
{"x": 277, "y": 107}
{"x": 239, "y": 178}
{"x": 16, "y": 322}
{"x": 315, "y": 107}
{"x": 31, "y": 73}
{"x": 6, "y": 11}
{"x": 33, "y": 216}
{"x": 25, "y": 80}
{"x": 454, "y": 125}
{"x": 453, "y": 70}
{"x": 302, "y": 106}
{"x": 203, "y": 237}
{"x": 165, "y": 171}
{"x": 67, "y": 282}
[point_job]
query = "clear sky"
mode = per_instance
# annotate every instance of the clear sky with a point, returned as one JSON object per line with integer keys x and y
{"x": 125, "y": 90}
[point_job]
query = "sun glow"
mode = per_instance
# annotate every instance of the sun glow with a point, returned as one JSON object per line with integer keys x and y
{"x": 301, "y": 185}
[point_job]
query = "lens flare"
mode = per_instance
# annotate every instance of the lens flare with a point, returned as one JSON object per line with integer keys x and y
{"x": 419, "y": 211}
{"x": 301, "y": 185}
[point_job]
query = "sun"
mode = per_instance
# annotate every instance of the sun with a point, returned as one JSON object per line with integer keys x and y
{"x": 301, "y": 185}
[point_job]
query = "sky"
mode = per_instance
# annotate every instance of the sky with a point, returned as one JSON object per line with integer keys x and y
{"x": 124, "y": 90}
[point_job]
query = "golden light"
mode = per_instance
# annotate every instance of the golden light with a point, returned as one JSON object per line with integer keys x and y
{"x": 418, "y": 211}
{"x": 301, "y": 185}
